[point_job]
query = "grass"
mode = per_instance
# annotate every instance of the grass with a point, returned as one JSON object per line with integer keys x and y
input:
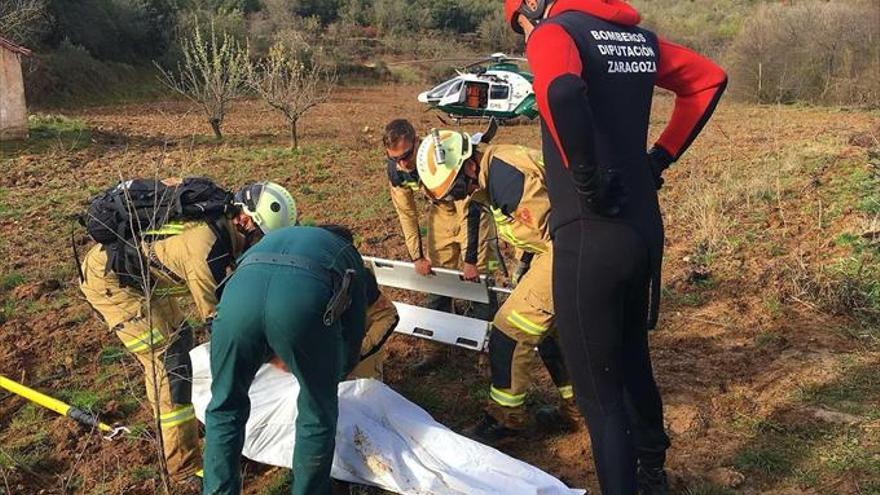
{"x": 792, "y": 448}
{"x": 87, "y": 400}
{"x": 10, "y": 281}
{"x": 140, "y": 474}
{"x": 47, "y": 132}
{"x": 279, "y": 485}
{"x": 705, "y": 488}
{"x": 111, "y": 354}
{"x": 857, "y": 391}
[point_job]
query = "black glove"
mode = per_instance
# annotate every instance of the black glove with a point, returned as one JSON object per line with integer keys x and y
{"x": 659, "y": 160}
{"x": 602, "y": 192}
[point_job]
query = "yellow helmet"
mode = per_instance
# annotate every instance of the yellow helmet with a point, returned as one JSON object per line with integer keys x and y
{"x": 441, "y": 157}
{"x": 270, "y": 205}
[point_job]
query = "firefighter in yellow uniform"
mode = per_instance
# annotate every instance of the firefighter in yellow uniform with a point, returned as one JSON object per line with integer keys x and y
{"x": 509, "y": 181}
{"x": 457, "y": 233}
{"x": 188, "y": 258}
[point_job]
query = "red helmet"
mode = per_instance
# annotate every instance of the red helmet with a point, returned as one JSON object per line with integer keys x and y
{"x": 513, "y": 8}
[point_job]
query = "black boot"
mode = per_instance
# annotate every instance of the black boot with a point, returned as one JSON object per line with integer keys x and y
{"x": 489, "y": 430}
{"x": 652, "y": 481}
{"x": 553, "y": 420}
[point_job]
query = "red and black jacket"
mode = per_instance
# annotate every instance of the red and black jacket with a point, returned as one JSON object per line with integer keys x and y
{"x": 595, "y": 72}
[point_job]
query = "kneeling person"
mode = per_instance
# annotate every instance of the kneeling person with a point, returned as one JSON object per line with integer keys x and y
{"x": 185, "y": 259}
{"x": 509, "y": 181}
{"x": 300, "y": 295}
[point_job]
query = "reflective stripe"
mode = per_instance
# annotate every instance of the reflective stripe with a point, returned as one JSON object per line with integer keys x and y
{"x": 171, "y": 291}
{"x": 178, "y": 416}
{"x": 200, "y": 473}
{"x": 144, "y": 341}
{"x": 504, "y": 224}
{"x": 505, "y": 399}
{"x": 170, "y": 228}
{"x": 524, "y": 324}
{"x": 566, "y": 392}
{"x": 412, "y": 185}
{"x": 492, "y": 265}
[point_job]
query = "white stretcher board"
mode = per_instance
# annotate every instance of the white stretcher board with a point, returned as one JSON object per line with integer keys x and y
{"x": 444, "y": 282}
{"x": 440, "y": 326}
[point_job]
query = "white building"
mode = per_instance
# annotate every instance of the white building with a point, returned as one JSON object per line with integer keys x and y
{"x": 13, "y": 109}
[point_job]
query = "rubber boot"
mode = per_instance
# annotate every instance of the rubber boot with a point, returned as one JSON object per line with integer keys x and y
{"x": 499, "y": 424}
{"x": 491, "y": 431}
{"x": 563, "y": 419}
{"x": 652, "y": 480}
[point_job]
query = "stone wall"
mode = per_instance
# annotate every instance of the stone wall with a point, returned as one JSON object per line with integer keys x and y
{"x": 13, "y": 110}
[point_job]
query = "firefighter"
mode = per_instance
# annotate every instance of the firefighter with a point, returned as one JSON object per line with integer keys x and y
{"x": 185, "y": 259}
{"x": 452, "y": 234}
{"x": 595, "y": 70}
{"x": 300, "y": 295}
{"x": 507, "y": 180}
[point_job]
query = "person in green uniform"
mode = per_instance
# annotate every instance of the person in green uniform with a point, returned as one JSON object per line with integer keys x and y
{"x": 284, "y": 299}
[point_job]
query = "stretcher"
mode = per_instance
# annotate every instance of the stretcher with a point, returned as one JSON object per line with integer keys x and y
{"x": 439, "y": 326}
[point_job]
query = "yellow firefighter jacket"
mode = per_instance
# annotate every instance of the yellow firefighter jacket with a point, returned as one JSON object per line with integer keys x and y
{"x": 512, "y": 187}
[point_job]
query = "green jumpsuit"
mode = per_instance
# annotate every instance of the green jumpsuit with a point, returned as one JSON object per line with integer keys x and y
{"x": 271, "y": 307}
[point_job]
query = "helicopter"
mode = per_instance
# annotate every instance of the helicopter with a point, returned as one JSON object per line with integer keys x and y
{"x": 499, "y": 90}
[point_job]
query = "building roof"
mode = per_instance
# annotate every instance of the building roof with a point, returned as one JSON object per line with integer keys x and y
{"x": 5, "y": 43}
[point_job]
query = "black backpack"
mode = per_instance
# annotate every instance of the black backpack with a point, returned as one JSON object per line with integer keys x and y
{"x": 120, "y": 217}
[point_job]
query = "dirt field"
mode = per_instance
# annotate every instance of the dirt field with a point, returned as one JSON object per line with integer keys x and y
{"x": 765, "y": 353}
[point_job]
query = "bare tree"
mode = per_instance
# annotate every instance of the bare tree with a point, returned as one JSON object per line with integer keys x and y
{"x": 290, "y": 85}
{"x": 19, "y": 19}
{"x": 213, "y": 74}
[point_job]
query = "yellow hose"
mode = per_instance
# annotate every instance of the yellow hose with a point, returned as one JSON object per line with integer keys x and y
{"x": 51, "y": 403}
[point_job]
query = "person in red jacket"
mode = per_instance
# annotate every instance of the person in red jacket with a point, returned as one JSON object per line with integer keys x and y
{"x": 595, "y": 71}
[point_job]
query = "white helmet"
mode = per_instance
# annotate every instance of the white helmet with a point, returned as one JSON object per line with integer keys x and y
{"x": 270, "y": 205}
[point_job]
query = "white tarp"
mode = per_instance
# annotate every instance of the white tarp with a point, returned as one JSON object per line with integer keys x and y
{"x": 382, "y": 439}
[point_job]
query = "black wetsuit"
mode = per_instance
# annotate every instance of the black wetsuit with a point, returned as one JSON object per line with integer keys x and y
{"x": 595, "y": 71}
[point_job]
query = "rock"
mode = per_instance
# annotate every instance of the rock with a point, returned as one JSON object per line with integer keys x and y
{"x": 683, "y": 419}
{"x": 50, "y": 285}
{"x": 830, "y": 416}
{"x": 726, "y": 477}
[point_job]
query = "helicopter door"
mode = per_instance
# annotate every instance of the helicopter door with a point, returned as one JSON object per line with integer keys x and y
{"x": 476, "y": 95}
{"x": 499, "y": 97}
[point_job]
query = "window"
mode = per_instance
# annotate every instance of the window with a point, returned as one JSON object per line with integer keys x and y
{"x": 499, "y": 92}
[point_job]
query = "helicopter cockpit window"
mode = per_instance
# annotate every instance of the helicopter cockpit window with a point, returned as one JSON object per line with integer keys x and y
{"x": 440, "y": 90}
{"x": 455, "y": 88}
{"x": 499, "y": 92}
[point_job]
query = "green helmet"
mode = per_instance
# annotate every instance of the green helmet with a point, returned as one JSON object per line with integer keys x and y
{"x": 270, "y": 205}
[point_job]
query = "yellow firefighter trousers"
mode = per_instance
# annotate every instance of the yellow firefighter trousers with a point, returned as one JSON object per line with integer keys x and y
{"x": 148, "y": 337}
{"x": 524, "y": 321}
{"x": 381, "y": 319}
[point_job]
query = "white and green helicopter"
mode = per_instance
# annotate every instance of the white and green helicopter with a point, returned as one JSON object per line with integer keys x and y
{"x": 491, "y": 87}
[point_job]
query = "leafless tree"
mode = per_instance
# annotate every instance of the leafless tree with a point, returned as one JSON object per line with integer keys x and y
{"x": 19, "y": 19}
{"x": 213, "y": 73}
{"x": 292, "y": 85}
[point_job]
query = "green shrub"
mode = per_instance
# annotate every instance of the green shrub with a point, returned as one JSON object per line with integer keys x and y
{"x": 813, "y": 51}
